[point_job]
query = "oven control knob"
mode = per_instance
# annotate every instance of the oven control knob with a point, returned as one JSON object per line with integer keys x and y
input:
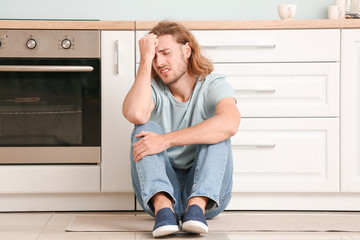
{"x": 31, "y": 43}
{"x": 66, "y": 44}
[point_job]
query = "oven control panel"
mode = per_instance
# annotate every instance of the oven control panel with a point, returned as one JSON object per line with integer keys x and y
{"x": 50, "y": 43}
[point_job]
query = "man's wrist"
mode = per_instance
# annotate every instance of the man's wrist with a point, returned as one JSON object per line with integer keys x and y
{"x": 146, "y": 61}
{"x": 169, "y": 139}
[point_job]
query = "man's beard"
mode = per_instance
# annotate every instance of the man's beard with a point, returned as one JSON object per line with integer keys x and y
{"x": 176, "y": 77}
{"x": 180, "y": 72}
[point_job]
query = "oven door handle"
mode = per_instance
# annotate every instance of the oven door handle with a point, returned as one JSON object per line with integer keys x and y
{"x": 30, "y": 68}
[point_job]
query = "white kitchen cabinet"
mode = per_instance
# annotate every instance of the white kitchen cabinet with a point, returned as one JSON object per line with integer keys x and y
{"x": 287, "y": 88}
{"x": 118, "y": 70}
{"x": 287, "y": 85}
{"x": 350, "y": 111}
{"x": 286, "y": 155}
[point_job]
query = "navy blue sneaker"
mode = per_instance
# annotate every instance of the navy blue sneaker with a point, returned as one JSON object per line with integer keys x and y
{"x": 194, "y": 220}
{"x": 165, "y": 223}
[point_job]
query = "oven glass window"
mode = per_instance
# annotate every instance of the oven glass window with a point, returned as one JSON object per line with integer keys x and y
{"x": 50, "y": 108}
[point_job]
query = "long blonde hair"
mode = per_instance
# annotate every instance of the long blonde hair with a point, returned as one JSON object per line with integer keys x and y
{"x": 198, "y": 66}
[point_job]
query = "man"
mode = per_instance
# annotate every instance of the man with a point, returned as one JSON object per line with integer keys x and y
{"x": 184, "y": 116}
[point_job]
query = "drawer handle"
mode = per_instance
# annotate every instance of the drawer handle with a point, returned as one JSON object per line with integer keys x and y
{"x": 265, "y": 90}
{"x": 256, "y": 145}
{"x": 242, "y": 46}
{"x": 118, "y": 57}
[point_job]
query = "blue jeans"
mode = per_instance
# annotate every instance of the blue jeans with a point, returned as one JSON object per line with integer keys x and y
{"x": 210, "y": 176}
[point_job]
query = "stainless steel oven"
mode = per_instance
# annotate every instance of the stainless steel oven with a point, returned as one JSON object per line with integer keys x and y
{"x": 50, "y": 96}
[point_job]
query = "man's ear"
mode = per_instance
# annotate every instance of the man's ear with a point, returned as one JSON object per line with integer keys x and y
{"x": 187, "y": 51}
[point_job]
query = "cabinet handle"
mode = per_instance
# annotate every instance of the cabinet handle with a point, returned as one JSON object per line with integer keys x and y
{"x": 118, "y": 57}
{"x": 242, "y": 46}
{"x": 265, "y": 90}
{"x": 256, "y": 145}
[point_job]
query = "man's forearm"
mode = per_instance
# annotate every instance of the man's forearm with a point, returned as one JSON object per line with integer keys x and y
{"x": 137, "y": 104}
{"x": 210, "y": 131}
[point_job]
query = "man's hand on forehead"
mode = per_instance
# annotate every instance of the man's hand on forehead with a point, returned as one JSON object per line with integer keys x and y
{"x": 147, "y": 45}
{"x": 154, "y": 36}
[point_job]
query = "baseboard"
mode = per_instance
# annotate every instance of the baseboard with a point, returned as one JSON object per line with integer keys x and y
{"x": 67, "y": 202}
{"x": 295, "y": 201}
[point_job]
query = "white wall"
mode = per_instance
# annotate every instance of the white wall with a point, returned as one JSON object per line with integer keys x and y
{"x": 158, "y": 9}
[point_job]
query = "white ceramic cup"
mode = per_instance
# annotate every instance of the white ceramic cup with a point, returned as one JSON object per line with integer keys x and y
{"x": 336, "y": 12}
{"x": 287, "y": 11}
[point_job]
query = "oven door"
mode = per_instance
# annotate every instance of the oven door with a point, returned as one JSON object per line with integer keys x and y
{"x": 50, "y": 111}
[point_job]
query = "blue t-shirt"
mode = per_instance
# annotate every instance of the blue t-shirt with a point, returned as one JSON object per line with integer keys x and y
{"x": 173, "y": 115}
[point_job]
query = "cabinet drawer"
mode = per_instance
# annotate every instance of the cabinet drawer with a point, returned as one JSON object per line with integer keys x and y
{"x": 266, "y": 45}
{"x": 284, "y": 89}
{"x": 286, "y": 155}
{"x": 49, "y": 179}
{"x": 270, "y": 45}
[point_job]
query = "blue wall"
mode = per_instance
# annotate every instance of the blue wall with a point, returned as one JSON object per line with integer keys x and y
{"x": 158, "y": 9}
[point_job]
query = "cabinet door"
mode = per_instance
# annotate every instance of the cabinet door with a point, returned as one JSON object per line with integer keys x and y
{"x": 350, "y": 111}
{"x": 117, "y": 76}
{"x": 286, "y": 155}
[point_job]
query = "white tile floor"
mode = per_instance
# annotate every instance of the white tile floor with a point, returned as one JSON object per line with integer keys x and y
{"x": 50, "y": 226}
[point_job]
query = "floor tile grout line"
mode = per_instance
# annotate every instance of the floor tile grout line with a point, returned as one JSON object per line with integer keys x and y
{"x": 45, "y": 225}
